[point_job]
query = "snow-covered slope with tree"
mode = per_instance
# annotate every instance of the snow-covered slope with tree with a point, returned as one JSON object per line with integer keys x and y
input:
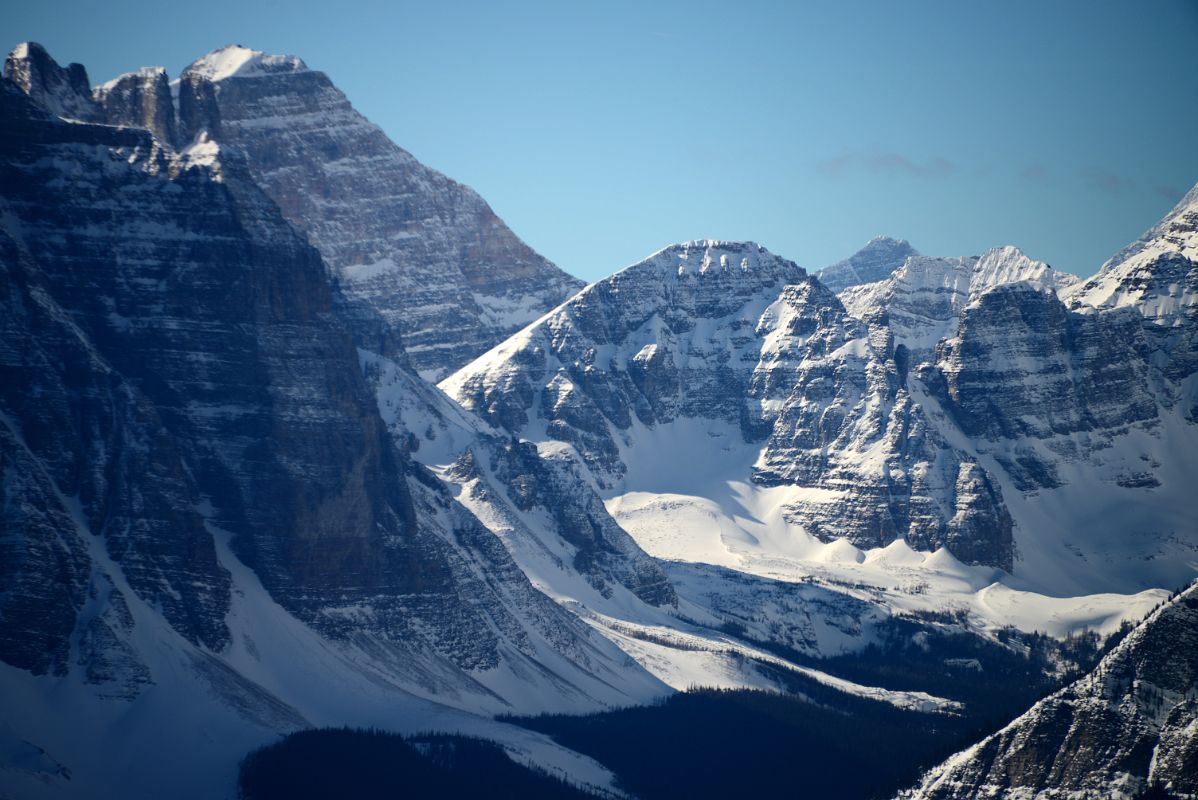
{"x": 205, "y": 519}
{"x": 233, "y": 506}
{"x": 1130, "y": 724}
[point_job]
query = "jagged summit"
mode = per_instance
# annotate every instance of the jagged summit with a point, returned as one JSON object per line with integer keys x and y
{"x": 923, "y": 297}
{"x": 1009, "y": 264}
{"x": 406, "y": 243}
{"x": 1157, "y": 275}
{"x": 63, "y": 91}
{"x": 1176, "y": 232}
{"x": 141, "y": 73}
{"x": 409, "y": 246}
{"x": 879, "y": 257}
{"x": 236, "y": 61}
{"x": 714, "y": 256}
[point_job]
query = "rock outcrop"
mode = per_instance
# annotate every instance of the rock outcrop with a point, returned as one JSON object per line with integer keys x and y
{"x": 1130, "y": 724}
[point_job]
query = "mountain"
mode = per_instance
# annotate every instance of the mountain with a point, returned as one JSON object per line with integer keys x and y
{"x": 1130, "y": 724}
{"x": 204, "y": 513}
{"x": 923, "y": 298}
{"x": 874, "y": 262}
{"x": 406, "y": 244}
{"x": 732, "y": 410}
{"x": 233, "y": 508}
{"x": 424, "y": 252}
{"x": 1157, "y": 276}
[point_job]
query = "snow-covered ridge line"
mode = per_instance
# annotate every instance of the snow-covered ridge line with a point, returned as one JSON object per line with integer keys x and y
{"x": 235, "y": 61}
{"x": 141, "y": 72}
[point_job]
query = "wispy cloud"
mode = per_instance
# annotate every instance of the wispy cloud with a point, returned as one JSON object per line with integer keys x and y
{"x": 1034, "y": 172}
{"x": 886, "y": 163}
{"x": 1104, "y": 180}
{"x": 1170, "y": 193}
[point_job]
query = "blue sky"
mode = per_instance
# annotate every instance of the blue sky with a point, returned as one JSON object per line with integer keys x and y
{"x": 602, "y": 131}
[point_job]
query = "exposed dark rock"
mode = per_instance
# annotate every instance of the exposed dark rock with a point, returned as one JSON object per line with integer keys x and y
{"x": 1127, "y": 725}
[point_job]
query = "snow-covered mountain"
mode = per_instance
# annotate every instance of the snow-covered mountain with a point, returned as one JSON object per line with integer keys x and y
{"x": 206, "y": 521}
{"x": 233, "y": 508}
{"x": 923, "y": 298}
{"x": 1129, "y": 724}
{"x": 1157, "y": 277}
{"x": 726, "y": 342}
{"x": 732, "y": 410}
{"x": 874, "y": 262}
{"x": 426, "y": 254}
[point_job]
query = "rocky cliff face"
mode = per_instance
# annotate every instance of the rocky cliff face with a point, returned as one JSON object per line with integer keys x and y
{"x": 408, "y": 246}
{"x": 846, "y": 424}
{"x": 923, "y": 298}
{"x": 1157, "y": 276}
{"x": 62, "y": 91}
{"x": 425, "y": 252}
{"x": 730, "y": 334}
{"x": 1023, "y": 367}
{"x": 140, "y": 99}
{"x": 175, "y": 373}
{"x": 1131, "y": 723}
{"x": 929, "y": 407}
{"x": 670, "y": 337}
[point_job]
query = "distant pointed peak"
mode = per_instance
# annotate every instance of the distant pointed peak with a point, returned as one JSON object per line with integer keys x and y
{"x": 880, "y": 256}
{"x": 28, "y": 50}
{"x": 63, "y": 91}
{"x": 236, "y": 61}
{"x": 1177, "y": 232}
{"x": 886, "y": 241}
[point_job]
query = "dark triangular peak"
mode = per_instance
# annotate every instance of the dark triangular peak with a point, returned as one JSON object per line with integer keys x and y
{"x": 63, "y": 91}
{"x": 881, "y": 256}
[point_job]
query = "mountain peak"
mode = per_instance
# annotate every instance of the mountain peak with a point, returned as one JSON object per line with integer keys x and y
{"x": 140, "y": 74}
{"x": 63, "y": 91}
{"x": 1009, "y": 264}
{"x": 702, "y": 257}
{"x": 1155, "y": 274}
{"x": 236, "y": 61}
{"x": 879, "y": 257}
{"x": 1176, "y": 232}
